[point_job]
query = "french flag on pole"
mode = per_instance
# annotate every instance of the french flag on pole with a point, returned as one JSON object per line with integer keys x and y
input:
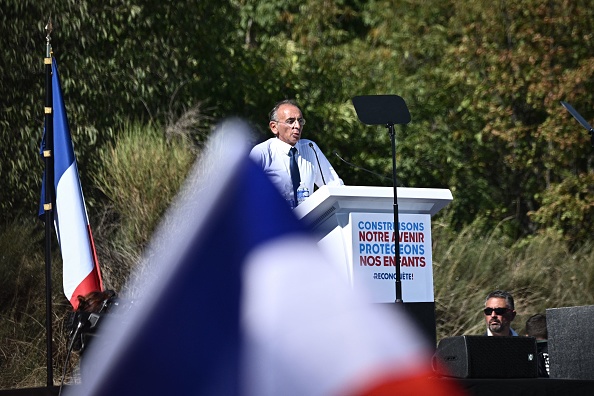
{"x": 236, "y": 299}
{"x": 81, "y": 273}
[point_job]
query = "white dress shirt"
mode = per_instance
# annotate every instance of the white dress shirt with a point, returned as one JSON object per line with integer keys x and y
{"x": 512, "y": 332}
{"x": 273, "y": 156}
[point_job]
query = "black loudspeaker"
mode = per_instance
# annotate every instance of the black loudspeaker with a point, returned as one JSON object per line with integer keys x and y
{"x": 571, "y": 342}
{"x": 486, "y": 357}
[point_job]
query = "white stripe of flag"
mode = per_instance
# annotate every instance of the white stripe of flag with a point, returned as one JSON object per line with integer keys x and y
{"x": 81, "y": 273}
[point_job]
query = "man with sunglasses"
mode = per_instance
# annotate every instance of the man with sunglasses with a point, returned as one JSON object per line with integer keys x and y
{"x": 290, "y": 160}
{"x": 499, "y": 313}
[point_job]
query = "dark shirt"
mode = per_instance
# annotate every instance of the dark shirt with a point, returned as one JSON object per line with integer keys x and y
{"x": 542, "y": 353}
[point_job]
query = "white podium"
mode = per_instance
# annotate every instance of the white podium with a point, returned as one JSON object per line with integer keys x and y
{"x": 354, "y": 226}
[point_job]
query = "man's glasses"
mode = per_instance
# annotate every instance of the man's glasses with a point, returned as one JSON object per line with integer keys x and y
{"x": 498, "y": 311}
{"x": 291, "y": 121}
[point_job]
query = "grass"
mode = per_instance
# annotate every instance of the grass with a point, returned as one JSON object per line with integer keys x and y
{"x": 539, "y": 271}
{"x": 22, "y": 309}
{"x": 144, "y": 170}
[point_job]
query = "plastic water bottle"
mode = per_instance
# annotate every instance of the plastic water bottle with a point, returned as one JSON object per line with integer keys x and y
{"x": 302, "y": 193}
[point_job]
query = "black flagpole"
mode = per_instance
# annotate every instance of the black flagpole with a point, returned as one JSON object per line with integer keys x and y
{"x": 49, "y": 199}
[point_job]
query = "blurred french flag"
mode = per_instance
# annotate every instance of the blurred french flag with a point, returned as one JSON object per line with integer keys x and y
{"x": 81, "y": 272}
{"x": 236, "y": 299}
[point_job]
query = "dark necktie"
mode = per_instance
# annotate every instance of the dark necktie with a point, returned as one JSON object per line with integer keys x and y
{"x": 295, "y": 178}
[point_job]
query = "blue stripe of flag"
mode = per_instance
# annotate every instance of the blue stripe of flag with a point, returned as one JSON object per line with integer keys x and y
{"x": 191, "y": 341}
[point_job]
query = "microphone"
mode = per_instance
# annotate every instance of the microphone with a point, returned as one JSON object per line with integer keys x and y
{"x": 317, "y": 159}
{"x": 358, "y": 167}
{"x": 580, "y": 119}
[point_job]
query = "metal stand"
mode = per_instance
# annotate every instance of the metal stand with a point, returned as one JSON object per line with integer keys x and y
{"x": 580, "y": 119}
{"x": 386, "y": 110}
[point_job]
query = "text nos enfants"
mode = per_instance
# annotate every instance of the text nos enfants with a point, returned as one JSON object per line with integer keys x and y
{"x": 377, "y": 245}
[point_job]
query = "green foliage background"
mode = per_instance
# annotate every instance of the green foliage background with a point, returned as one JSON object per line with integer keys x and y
{"x": 147, "y": 79}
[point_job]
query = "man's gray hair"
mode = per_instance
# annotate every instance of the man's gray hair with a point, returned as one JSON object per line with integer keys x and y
{"x": 272, "y": 116}
{"x": 509, "y": 300}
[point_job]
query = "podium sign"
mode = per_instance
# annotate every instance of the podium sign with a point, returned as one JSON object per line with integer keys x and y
{"x": 354, "y": 226}
{"x": 374, "y": 244}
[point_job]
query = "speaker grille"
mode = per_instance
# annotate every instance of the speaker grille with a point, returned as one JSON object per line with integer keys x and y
{"x": 571, "y": 342}
{"x": 486, "y": 357}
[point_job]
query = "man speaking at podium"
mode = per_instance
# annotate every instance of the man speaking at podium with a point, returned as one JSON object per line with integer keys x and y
{"x": 289, "y": 160}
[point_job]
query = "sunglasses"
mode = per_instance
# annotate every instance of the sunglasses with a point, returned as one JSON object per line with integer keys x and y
{"x": 498, "y": 311}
